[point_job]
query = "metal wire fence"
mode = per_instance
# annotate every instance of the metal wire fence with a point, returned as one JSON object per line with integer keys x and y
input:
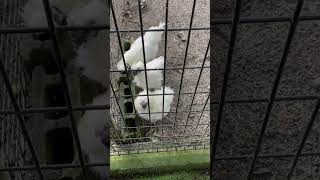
{"x": 16, "y": 89}
{"x": 216, "y": 126}
{"x": 15, "y": 135}
{"x": 168, "y": 135}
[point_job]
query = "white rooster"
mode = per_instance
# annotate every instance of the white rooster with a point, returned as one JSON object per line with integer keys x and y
{"x": 92, "y": 57}
{"x": 33, "y": 13}
{"x": 156, "y": 101}
{"x": 93, "y": 135}
{"x": 76, "y": 12}
{"x": 86, "y": 13}
{"x": 152, "y": 41}
{"x": 154, "y": 77}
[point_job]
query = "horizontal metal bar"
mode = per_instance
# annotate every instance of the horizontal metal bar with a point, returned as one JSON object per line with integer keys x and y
{"x": 103, "y": 107}
{"x": 52, "y": 167}
{"x": 169, "y": 112}
{"x": 174, "y": 68}
{"x": 165, "y": 126}
{"x": 186, "y": 93}
{"x": 265, "y": 156}
{"x": 13, "y": 30}
{"x": 58, "y": 109}
{"x": 246, "y": 20}
{"x": 167, "y": 137}
{"x": 160, "y": 150}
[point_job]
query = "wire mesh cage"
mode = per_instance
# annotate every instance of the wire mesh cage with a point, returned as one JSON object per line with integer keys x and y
{"x": 185, "y": 48}
{"x": 263, "y": 52}
{"x": 49, "y": 95}
{"x": 40, "y": 94}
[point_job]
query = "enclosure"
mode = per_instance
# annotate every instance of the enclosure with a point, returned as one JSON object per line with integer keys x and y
{"x": 263, "y": 110}
{"x": 45, "y": 97}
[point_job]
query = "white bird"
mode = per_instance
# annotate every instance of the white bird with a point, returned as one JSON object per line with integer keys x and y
{"x": 93, "y": 135}
{"x": 93, "y": 131}
{"x": 92, "y": 56}
{"x": 88, "y": 13}
{"x": 154, "y": 77}
{"x": 152, "y": 41}
{"x": 33, "y": 13}
{"x": 156, "y": 102}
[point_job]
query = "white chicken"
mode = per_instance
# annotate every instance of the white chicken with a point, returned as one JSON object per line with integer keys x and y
{"x": 152, "y": 41}
{"x": 154, "y": 77}
{"x": 93, "y": 131}
{"x": 92, "y": 56}
{"x": 156, "y": 102}
{"x": 93, "y": 135}
{"x": 86, "y": 13}
{"x": 33, "y": 13}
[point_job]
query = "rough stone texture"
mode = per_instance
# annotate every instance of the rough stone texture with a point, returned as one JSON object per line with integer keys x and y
{"x": 256, "y": 58}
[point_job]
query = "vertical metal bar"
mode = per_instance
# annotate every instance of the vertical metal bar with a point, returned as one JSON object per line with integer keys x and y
{"x": 121, "y": 49}
{"x": 54, "y": 40}
{"x": 123, "y": 59}
{"x": 144, "y": 55}
{"x": 185, "y": 59}
{"x": 165, "y": 63}
{"x": 201, "y": 114}
{"x": 276, "y": 83}
{"x": 197, "y": 85}
{"x": 304, "y": 139}
{"x": 20, "y": 117}
{"x": 115, "y": 97}
{"x": 214, "y": 137}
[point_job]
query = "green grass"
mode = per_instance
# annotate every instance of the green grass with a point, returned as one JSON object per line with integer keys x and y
{"x": 177, "y": 176}
{"x": 159, "y": 163}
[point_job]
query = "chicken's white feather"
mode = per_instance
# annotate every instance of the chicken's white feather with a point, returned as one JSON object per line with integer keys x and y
{"x": 152, "y": 41}
{"x": 91, "y": 122}
{"x": 33, "y": 13}
{"x": 156, "y": 102}
{"x": 86, "y": 13}
{"x": 154, "y": 77}
{"x": 92, "y": 56}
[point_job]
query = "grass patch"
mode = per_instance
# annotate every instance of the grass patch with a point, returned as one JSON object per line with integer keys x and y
{"x": 193, "y": 175}
{"x": 158, "y": 163}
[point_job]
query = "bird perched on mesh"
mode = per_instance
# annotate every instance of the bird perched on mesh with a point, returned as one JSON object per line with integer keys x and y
{"x": 156, "y": 103}
{"x": 94, "y": 139}
{"x": 154, "y": 77}
{"x": 92, "y": 57}
{"x": 152, "y": 41}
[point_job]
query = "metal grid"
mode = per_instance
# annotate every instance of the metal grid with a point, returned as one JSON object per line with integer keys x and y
{"x": 165, "y": 141}
{"x": 14, "y": 97}
{"x": 20, "y": 111}
{"x": 216, "y": 125}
